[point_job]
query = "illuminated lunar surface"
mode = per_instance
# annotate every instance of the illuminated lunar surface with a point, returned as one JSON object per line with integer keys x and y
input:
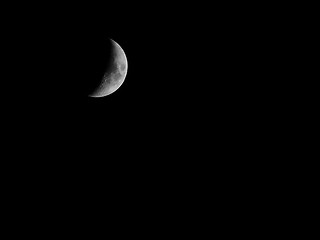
{"x": 114, "y": 78}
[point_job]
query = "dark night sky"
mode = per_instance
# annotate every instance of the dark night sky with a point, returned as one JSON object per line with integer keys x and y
{"x": 181, "y": 105}
{"x": 187, "y": 107}
{"x": 179, "y": 74}
{"x": 55, "y": 47}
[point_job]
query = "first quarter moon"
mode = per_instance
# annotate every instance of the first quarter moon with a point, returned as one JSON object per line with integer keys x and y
{"x": 115, "y": 73}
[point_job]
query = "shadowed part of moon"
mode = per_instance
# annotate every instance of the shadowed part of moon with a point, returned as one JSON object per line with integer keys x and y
{"x": 115, "y": 74}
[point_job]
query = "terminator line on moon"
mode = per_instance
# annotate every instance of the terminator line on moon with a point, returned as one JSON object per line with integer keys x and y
{"x": 112, "y": 80}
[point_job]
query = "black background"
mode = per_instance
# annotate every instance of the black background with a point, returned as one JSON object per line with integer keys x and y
{"x": 57, "y": 54}
{"x": 188, "y": 81}
{"x": 188, "y": 123}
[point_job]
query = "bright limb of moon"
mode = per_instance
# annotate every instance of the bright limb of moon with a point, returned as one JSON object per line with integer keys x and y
{"x": 113, "y": 80}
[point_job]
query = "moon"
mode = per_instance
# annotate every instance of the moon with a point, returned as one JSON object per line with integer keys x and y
{"x": 115, "y": 75}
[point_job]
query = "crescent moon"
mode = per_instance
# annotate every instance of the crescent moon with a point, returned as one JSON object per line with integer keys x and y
{"x": 114, "y": 78}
